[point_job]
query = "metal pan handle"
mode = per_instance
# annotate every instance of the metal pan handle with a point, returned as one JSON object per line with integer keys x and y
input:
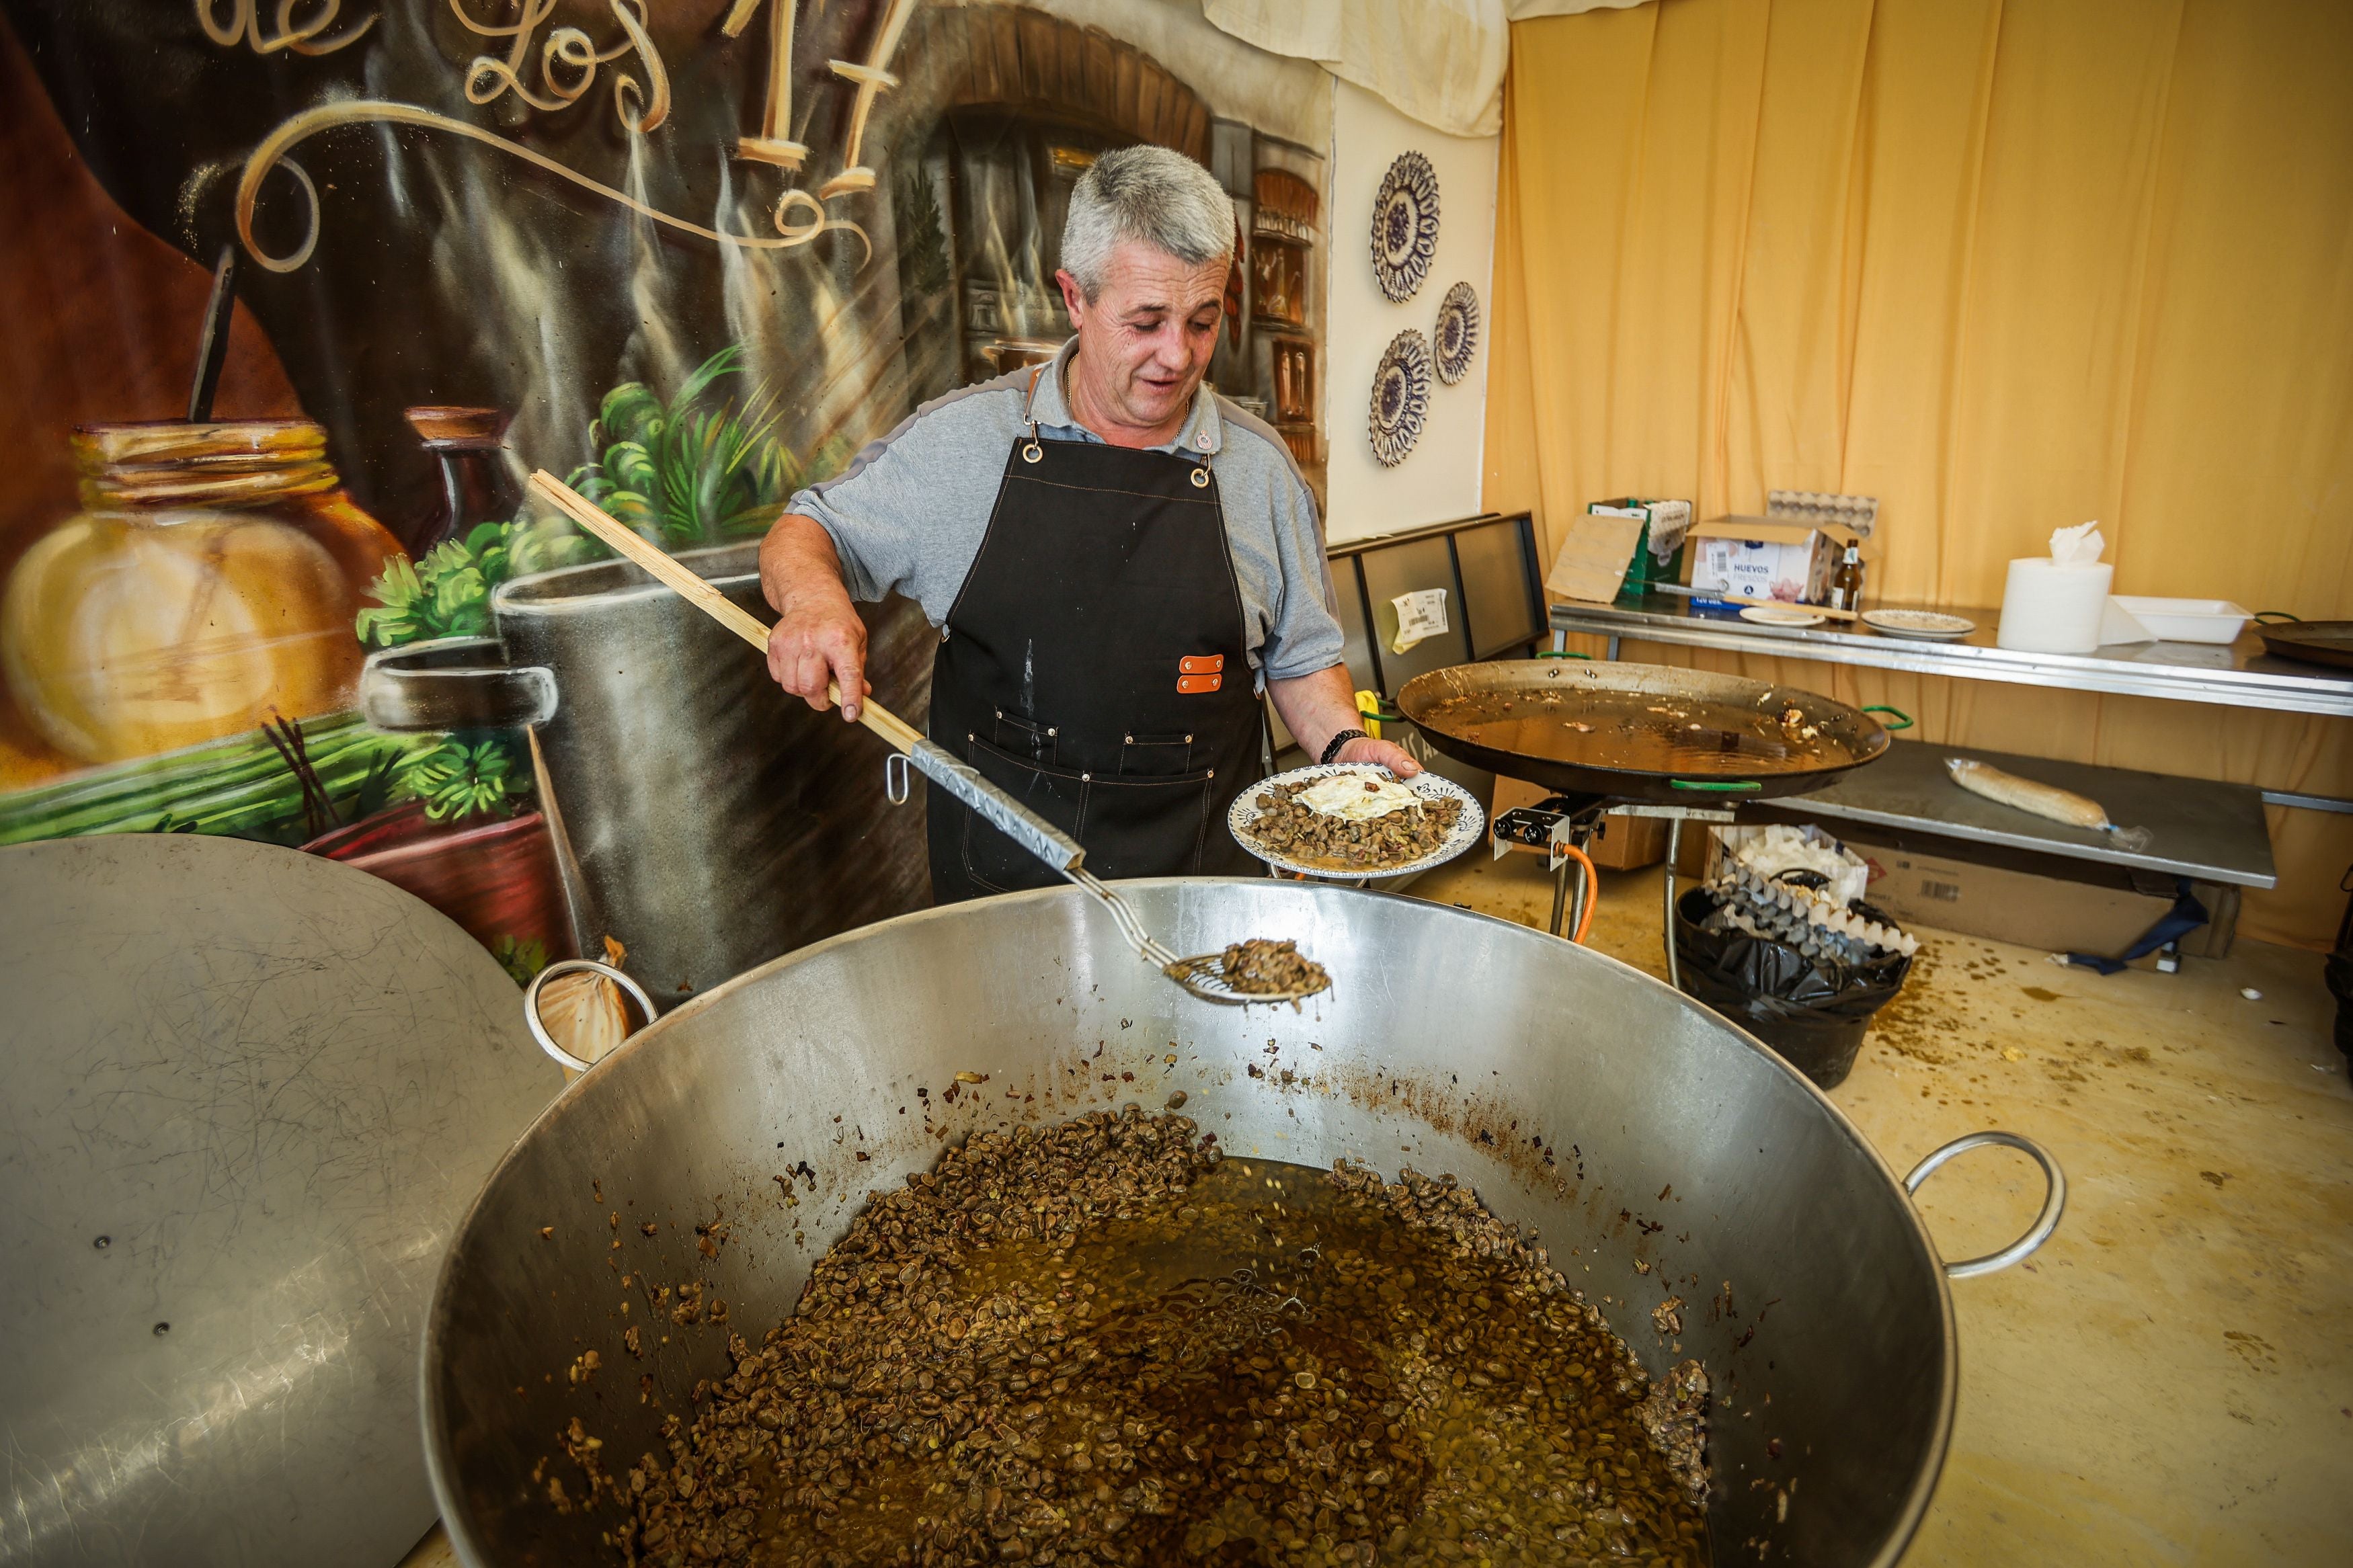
{"x": 2265, "y": 617}
{"x": 453, "y": 683}
{"x": 996, "y": 807}
{"x": 576, "y": 966}
{"x": 1728, "y": 786}
{"x": 2054, "y": 1200}
{"x": 1903, "y": 720}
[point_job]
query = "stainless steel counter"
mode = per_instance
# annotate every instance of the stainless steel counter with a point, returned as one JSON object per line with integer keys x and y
{"x": 2196, "y": 827}
{"x": 2240, "y": 675}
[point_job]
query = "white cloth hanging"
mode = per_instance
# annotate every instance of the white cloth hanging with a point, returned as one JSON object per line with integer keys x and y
{"x": 1440, "y": 61}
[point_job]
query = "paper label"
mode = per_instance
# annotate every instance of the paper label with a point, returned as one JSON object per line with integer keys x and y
{"x": 1420, "y": 615}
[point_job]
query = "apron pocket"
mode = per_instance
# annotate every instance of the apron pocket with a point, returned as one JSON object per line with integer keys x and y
{"x": 1148, "y": 828}
{"x": 1154, "y": 756}
{"x": 1058, "y": 795}
{"x": 1018, "y": 737}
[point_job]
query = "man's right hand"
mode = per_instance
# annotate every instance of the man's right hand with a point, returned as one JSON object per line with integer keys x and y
{"x": 817, "y": 639}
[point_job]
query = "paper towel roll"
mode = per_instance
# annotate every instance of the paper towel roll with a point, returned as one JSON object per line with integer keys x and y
{"x": 2050, "y": 608}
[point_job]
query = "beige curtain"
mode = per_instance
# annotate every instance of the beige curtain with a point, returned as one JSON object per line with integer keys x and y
{"x": 2006, "y": 266}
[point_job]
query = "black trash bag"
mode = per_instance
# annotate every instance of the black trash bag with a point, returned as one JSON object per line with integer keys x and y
{"x": 1814, "y": 1013}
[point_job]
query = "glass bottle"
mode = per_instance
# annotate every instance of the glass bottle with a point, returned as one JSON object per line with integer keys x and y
{"x": 1846, "y": 581}
{"x": 207, "y": 586}
{"x": 476, "y": 484}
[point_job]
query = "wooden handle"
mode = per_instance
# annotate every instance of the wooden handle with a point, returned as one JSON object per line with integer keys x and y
{"x": 700, "y": 595}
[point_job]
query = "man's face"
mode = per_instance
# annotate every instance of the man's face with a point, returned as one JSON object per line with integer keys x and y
{"x": 1144, "y": 340}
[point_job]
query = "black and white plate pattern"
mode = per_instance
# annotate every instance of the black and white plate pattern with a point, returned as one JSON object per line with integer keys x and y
{"x": 1401, "y": 397}
{"x": 1456, "y": 337}
{"x": 1405, "y": 225}
{"x": 1470, "y": 828}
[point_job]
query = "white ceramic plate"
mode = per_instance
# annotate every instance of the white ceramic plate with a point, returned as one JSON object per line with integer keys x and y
{"x": 1469, "y": 829}
{"x": 1919, "y": 625}
{"x": 1774, "y": 615}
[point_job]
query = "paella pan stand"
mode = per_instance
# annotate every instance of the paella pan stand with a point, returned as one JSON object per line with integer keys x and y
{"x": 1586, "y": 789}
{"x": 1575, "y": 821}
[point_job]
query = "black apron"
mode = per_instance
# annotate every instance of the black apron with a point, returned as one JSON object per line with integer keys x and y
{"x": 1095, "y": 667}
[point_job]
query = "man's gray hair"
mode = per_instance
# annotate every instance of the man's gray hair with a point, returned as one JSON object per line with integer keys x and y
{"x": 1159, "y": 197}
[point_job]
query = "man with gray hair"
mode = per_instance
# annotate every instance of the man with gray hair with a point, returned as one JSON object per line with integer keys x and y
{"x": 1118, "y": 562}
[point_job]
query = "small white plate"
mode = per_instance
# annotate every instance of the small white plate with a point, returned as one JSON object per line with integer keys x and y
{"x": 1919, "y": 625}
{"x": 1774, "y": 615}
{"x": 1470, "y": 828}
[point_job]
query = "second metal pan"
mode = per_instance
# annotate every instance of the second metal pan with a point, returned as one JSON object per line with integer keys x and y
{"x": 1639, "y": 732}
{"x": 2314, "y": 642}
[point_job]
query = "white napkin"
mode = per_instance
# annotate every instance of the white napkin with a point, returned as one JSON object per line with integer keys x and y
{"x": 2078, "y": 546}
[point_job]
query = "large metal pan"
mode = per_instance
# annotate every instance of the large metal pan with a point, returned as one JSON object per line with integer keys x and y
{"x": 248, "y": 1094}
{"x": 2314, "y": 642}
{"x": 1650, "y": 731}
{"x": 1573, "y": 1091}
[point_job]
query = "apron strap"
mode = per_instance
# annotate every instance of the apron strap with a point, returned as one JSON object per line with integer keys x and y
{"x": 1031, "y": 450}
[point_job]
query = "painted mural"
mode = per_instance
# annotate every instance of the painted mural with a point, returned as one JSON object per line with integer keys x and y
{"x": 303, "y": 288}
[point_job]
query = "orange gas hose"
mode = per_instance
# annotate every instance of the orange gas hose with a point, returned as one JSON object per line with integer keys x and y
{"x": 1592, "y": 891}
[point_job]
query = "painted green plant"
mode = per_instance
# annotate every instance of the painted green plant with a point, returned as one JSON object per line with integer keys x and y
{"x": 464, "y": 778}
{"x": 240, "y": 785}
{"x": 448, "y": 594}
{"x": 699, "y": 469}
{"x": 702, "y": 468}
{"x": 522, "y": 960}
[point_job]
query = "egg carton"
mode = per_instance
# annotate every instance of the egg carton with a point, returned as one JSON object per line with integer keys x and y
{"x": 1817, "y": 927}
{"x": 1858, "y": 513}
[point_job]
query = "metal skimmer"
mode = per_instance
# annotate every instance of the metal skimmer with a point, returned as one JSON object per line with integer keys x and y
{"x": 1203, "y": 975}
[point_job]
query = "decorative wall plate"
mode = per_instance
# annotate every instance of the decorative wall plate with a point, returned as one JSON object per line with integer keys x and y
{"x": 1456, "y": 337}
{"x": 1405, "y": 225}
{"x": 1401, "y": 397}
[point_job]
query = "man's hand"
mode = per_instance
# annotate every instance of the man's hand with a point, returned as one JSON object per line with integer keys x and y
{"x": 817, "y": 637}
{"x": 1395, "y": 758}
{"x": 1315, "y": 708}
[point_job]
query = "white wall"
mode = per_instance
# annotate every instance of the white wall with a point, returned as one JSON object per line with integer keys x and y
{"x": 1440, "y": 479}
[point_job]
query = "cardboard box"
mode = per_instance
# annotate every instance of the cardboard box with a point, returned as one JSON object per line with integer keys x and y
{"x": 1760, "y": 559}
{"x": 1624, "y": 844}
{"x": 2047, "y": 912}
{"x": 1607, "y": 551}
{"x": 1630, "y": 843}
{"x": 1594, "y": 556}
